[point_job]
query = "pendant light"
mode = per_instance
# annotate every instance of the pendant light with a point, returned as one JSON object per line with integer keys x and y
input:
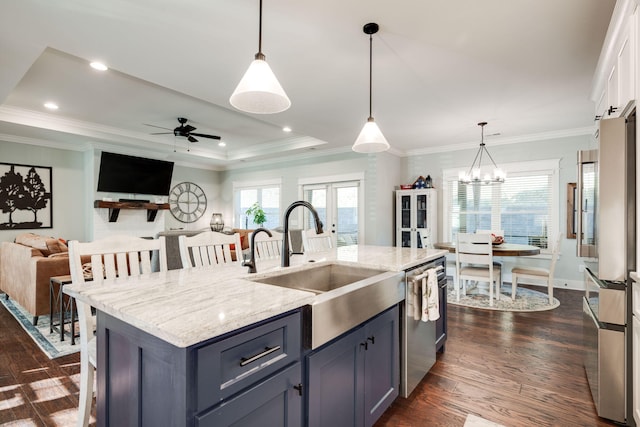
{"x": 371, "y": 139}
{"x": 474, "y": 176}
{"x": 259, "y": 90}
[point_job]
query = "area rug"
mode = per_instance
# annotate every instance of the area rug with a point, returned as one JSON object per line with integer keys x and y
{"x": 473, "y": 421}
{"x": 48, "y": 342}
{"x": 478, "y": 297}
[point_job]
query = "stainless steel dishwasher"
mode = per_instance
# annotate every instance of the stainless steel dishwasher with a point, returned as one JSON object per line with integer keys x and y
{"x": 418, "y": 338}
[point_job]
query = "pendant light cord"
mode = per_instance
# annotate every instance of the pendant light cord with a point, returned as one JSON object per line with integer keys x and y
{"x": 370, "y": 74}
{"x": 260, "y": 55}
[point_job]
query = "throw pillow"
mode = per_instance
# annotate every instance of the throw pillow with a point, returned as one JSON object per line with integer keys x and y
{"x": 46, "y": 245}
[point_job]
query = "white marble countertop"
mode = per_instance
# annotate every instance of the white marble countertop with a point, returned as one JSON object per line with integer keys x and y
{"x": 185, "y": 307}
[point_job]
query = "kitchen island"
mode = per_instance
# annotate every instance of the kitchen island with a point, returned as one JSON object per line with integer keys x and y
{"x": 168, "y": 347}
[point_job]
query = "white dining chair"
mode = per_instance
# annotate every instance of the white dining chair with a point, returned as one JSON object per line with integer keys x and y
{"x": 267, "y": 247}
{"x": 495, "y": 233}
{"x": 210, "y": 248}
{"x": 425, "y": 238}
{"x": 474, "y": 261}
{"x": 313, "y": 242}
{"x": 121, "y": 257}
{"x": 537, "y": 274}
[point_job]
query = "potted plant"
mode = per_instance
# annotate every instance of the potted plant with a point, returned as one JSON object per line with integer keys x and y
{"x": 259, "y": 217}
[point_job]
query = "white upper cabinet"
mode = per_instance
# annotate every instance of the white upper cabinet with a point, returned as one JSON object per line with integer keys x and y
{"x": 615, "y": 83}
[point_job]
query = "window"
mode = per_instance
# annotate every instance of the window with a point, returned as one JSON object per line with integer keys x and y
{"x": 525, "y": 206}
{"x": 267, "y": 196}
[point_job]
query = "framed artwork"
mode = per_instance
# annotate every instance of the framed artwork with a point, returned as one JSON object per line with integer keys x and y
{"x": 25, "y": 197}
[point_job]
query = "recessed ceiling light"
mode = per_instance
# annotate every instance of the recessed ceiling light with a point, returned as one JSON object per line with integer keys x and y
{"x": 51, "y": 105}
{"x": 286, "y": 129}
{"x": 222, "y": 144}
{"x": 98, "y": 66}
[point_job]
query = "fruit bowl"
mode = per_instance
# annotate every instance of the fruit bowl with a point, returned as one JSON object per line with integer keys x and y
{"x": 497, "y": 240}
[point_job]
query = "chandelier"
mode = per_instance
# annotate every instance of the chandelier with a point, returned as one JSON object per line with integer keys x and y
{"x": 474, "y": 175}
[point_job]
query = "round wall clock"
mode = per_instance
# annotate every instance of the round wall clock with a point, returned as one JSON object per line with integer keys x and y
{"x": 187, "y": 202}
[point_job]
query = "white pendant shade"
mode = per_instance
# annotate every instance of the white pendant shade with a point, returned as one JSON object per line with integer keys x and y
{"x": 259, "y": 91}
{"x": 371, "y": 139}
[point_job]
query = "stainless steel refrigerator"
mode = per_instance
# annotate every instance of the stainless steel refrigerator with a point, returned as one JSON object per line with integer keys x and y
{"x": 606, "y": 236}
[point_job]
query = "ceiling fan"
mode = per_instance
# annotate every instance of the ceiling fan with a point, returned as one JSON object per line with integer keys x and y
{"x": 184, "y": 130}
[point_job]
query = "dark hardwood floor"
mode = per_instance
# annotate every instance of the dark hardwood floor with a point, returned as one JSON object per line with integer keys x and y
{"x": 516, "y": 369}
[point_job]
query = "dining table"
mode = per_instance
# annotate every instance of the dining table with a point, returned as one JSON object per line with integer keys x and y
{"x": 503, "y": 249}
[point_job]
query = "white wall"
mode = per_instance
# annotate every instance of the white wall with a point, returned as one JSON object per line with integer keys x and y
{"x": 381, "y": 172}
{"x": 67, "y": 177}
{"x": 133, "y": 222}
{"x": 565, "y": 149}
{"x": 75, "y": 175}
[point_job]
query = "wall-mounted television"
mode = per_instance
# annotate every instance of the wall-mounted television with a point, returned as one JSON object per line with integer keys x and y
{"x": 120, "y": 173}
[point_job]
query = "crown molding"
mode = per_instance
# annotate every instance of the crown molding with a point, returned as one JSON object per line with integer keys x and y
{"x": 534, "y": 137}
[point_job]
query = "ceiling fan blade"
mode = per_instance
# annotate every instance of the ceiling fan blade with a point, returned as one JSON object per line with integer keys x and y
{"x": 161, "y": 133}
{"x": 154, "y": 126}
{"x": 206, "y": 136}
{"x": 188, "y": 128}
{"x": 192, "y": 139}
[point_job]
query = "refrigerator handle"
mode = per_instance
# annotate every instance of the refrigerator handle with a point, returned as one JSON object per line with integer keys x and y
{"x": 579, "y": 208}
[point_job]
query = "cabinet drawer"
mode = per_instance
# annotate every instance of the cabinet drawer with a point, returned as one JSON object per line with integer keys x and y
{"x": 273, "y": 402}
{"x": 228, "y": 366}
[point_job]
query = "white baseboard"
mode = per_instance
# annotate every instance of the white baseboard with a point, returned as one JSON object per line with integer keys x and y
{"x": 558, "y": 283}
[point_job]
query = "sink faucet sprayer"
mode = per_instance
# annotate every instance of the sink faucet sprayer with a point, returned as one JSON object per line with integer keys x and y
{"x": 286, "y": 253}
{"x": 251, "y": 262}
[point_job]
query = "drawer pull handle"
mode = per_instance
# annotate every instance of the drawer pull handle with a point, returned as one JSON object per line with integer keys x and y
{"x": 245, "y": 361}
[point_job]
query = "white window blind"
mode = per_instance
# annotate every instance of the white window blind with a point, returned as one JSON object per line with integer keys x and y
{"x": 524, "y": 207}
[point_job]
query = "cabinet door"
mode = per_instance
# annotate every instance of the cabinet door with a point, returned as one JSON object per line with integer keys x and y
{"x": 382, "y": 364}
{"x": 335, "y": 386}
{"x": 273, "y": 402}
{"x": 404, "y": 219}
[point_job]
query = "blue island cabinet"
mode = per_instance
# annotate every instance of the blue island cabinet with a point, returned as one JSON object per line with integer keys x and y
{"x": 353, "y": 380}
{"x": 249, "y": 377}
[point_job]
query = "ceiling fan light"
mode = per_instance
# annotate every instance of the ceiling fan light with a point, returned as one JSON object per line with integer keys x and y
{"x": 371, "y": 139}
{"x": 259, "y": 91}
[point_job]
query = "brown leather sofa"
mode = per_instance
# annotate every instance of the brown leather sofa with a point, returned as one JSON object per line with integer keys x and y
{"x": 26, "y": 266}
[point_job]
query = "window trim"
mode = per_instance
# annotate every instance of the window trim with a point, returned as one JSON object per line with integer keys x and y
{"x": 550, "y": 166}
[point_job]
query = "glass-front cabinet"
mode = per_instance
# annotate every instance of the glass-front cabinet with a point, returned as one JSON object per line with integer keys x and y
{"x": 416, "y": 218}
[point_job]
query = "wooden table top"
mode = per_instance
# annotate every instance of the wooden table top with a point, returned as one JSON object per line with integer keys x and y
{"x": 505, "y": 249}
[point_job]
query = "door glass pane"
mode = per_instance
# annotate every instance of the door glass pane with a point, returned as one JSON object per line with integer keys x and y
{"x": 347, "y": 210}
{"x": 406, "y": 212}
{"x": 318, "y": 198}
{"x": 406, "y": 239}
{"x": 421, "y": 211}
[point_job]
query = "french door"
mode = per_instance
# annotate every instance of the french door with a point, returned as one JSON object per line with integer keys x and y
{"x": 338, "y": 205}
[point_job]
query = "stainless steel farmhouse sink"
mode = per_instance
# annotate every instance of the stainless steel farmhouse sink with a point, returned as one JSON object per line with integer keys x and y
{"x": 346, "y": 296}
